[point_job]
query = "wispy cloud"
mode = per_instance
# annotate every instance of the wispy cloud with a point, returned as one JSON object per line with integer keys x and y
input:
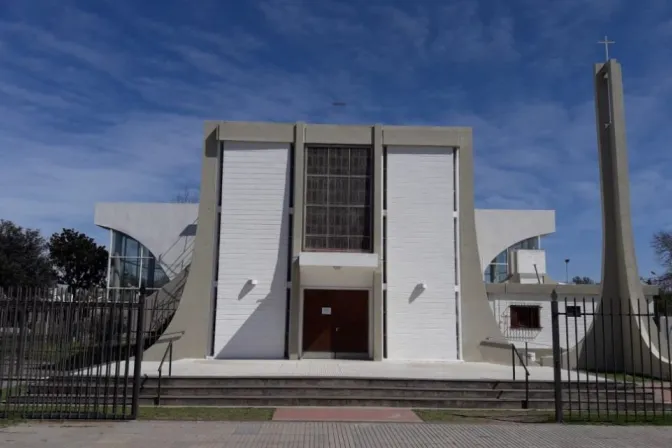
{"x": 105, "y": 101}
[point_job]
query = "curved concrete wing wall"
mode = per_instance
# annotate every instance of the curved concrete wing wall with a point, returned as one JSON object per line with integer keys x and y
{"x": 192, "y": 322}
{"x": 497, "y": 230}
{"x": 166, "y": 230}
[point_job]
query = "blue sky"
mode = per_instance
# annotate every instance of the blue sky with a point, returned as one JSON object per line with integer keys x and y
{"x": 104, "y": 100}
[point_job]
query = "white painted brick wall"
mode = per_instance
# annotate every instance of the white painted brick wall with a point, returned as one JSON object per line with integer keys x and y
{"x": 254, "y": 240}
{"x": 421, "y": 325}
{"x": 574, "y": 328}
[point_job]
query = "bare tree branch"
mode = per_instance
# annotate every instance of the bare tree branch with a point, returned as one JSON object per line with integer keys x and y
{"x": 187, "y": 196}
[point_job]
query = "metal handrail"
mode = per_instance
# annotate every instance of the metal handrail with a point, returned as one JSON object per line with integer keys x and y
{"x": 514, "y": 354}
{"x": 169, "y": 352}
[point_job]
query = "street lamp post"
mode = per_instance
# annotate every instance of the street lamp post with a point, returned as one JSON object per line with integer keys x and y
{"x": 567, "y": 270}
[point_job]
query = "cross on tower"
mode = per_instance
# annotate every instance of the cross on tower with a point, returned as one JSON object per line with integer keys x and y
{"x": 606, "y": 42}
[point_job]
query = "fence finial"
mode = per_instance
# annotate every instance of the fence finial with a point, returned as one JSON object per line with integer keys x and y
{"x": 554, "y": 295}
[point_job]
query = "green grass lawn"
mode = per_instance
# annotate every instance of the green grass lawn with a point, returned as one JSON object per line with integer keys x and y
{"x": 621, "y": 419}
{"x": 206, "y": 414}
{"x": 483, "y": 416}
{"x": 190, "y": 413}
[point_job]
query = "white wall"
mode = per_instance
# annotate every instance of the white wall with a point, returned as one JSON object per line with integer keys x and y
{"x": 167, "y": 230}
{"x": 526, "y": 261}
{"x": 665, "y": 327}
{"x": 327, "y": 277}
{"x": 497, "y": 230}
{"x": 573, "y": 328}
{"x": 254, "y": 244}
{"x": 420, "y": 248}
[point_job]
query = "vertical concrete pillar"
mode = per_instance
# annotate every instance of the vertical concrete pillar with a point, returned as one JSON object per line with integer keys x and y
{"x": 294, "y": 346}
{"x": 378, "y": 193}
{"x": 621, "y": 286}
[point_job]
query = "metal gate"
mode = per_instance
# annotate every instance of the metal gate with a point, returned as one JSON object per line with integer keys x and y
{"x": 612, "y": 360}
{"x": 70, "y": 356}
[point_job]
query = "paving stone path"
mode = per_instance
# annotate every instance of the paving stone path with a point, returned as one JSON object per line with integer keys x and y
{"x": 327, "y": 435}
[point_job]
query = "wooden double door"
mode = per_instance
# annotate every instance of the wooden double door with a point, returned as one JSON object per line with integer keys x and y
{"x": 336, "y": 321}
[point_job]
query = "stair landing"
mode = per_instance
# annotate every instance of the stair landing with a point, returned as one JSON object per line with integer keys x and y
{"x": 457, "y": 370}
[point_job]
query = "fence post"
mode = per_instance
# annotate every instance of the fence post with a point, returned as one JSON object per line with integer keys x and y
{"x": 557, "y": 361}
{"x": 139, "y": 349}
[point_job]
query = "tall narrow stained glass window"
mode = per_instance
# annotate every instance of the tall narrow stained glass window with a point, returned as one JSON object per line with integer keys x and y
{"x": 338, "y": 198}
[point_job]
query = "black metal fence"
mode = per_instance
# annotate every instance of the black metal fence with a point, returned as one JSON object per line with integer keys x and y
{"x": 611, "y": 360}
{"x": 69, "y": 356}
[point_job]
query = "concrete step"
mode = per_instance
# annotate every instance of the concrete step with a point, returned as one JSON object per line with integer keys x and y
{"x": 344, "y": 382}
{"x": 322, "y": 401}
{"x": 352, "y": 391}
{"x": 326, "y": 401}
{"x": 334, "y": 397}
{"x": 392, "y": 392}
{"x": 400, "y": 394}
{"x": 374, "y": 382}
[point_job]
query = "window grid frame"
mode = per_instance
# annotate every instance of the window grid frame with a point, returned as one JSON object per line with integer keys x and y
{"x": 533, "y": 312}
{"x": 368, "y": 178}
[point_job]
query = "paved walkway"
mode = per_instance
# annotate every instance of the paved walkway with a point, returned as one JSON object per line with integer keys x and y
{"x": 328, "y": 435}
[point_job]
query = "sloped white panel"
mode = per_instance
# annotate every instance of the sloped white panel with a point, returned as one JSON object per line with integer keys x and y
{"x": 253, "y": 248}
{"x": 421, "y": 324}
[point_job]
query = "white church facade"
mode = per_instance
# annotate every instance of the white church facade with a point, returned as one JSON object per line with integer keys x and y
{"x": 315, "y": 241}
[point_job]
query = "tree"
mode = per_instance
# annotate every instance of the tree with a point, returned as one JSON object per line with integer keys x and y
{"x": 78, "y": 261}
{"x": 582, "y": 280}
{"x": 24, "y": 260}
{"x": 187, "y": 196}
{"x": 662, "y": 246}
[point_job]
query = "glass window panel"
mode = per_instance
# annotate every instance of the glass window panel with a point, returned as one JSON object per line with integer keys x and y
{"x": 359, "y": 221}
{"x": 338, "y": 243}
{"x": 501, "y": 272}
{"x": 316, "y": 242}
{"x": 316, "y": 190}
{"x": 360, "y": 193}
{"x": 360, "y": 162}
{"x": 360, "y": 243}
{"x": 147, "y": 278}
{"x": 115, "y": 272}
{"x": 160, "y": 278}
{"x": 487, "y": 276}
{"x": 317, "y": 161}
{"x": 130, "y": 273}
{"x": 338, "y": 190}
{"x": 338, "y": 221}
{"x": 117, "y": 241}
{"x": 135, "y": 267}
{"x": 131, "y": 248}
{"x": 501, "y": 258}
{"x": 533, "y": 243}
{"x": 339, "y": 160}
{"x": 316, "y": 220}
